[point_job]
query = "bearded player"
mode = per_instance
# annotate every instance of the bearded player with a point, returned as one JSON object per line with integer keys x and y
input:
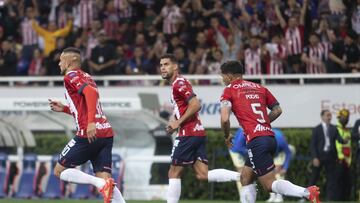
{"x": 94, "y": 136}
{"x": 190, "y": 144}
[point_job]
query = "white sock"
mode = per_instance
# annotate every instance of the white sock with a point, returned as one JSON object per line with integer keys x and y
{"x": 223, "y": 175}
{"x": 76, "y": 176}
{"x": 248, "y": 193}
{"x": 286, "y": 188}
{"x": 174, "y": 190}
{"x": 117, "y": 197}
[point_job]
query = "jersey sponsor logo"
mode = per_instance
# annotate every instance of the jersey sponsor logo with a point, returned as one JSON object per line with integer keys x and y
{"x": 101, "y": 126}
{"x": 246, "y": 84}
{"x": 199, "y": 127}
{"x": 252, "y": 96}
{"x": 260, "y": 127}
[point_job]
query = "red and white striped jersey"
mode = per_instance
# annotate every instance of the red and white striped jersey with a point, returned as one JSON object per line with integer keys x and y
{"x": 125, "y": 9}
{"x": 85, "y": 13}
{"x": 316, "y": 54}
{"x": 74, "y": 83}
{"x": 295, "y": 40}
{"x": 29, "y": 36}
{"x": 171, "y": 17}
{"x": 252, "y": 61}
{"x": 277, "y": 53}
{"x": 181, "y": 94}
{"x": 111, "y": 23}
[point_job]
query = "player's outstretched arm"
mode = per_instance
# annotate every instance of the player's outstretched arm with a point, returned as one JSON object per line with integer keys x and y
{"x": 275, "y": 113}
{"x": 58, "y": 106}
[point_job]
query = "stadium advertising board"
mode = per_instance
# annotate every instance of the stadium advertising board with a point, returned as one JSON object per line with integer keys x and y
{"x": 42, "y": 104}
{"x": 301, "y": 104}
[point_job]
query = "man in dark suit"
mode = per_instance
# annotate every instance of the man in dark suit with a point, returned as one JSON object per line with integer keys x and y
{"x": 323, "y": 153}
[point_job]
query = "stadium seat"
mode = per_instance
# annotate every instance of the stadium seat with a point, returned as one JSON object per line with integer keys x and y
{"x": 83, "y": 191}
{"x": 55, "y": 187}
{"x": 3, "y": 171}
{"x": 118, "y": 167}
{"x": 26, "y": 182}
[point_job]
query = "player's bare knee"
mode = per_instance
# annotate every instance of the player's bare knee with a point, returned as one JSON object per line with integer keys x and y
{"x": 202, "y": 176}
{"x": 244, "y": 180}
{"x": 58, "y": 170}
{"x": 174, "y": 173}
{"x": 267, "y": 187}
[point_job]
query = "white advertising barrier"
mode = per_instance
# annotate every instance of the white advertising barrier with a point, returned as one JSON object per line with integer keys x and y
{"x": 42, "y": 104}
{"x": 301, "y": 104}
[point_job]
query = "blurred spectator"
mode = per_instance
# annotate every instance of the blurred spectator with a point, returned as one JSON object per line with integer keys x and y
{"x": 355, "y": 17}
{"x": 294, "y": 35}
{"x": 214, "y": 60}
{"x": 37, "y": 64}
{"x": 139, "y": 64}
{"x": 230, "y": 45}
{"x": 276, "y": 55}
{"x": 8, "y": 59}
{"x": 171, "y": 17}
{"x": 102, "y": 61}
{"x": 344, "y": 57}
{"x": 183, "y": 61}
{"x": 253, "y": 57}
{"x": 61, "y": 10}
{"x": 85, "y": 14}
{"x": 9, "y": 15}
{"x": 52, "y": 61}
{"x": 29, "y": 36}
{"x": 90, "y": 37}
{"x": 110, "y": 19}
{"x": 121, "y": 62}
{"x": 314, "y": 55}
{"x": 51, "y": 33}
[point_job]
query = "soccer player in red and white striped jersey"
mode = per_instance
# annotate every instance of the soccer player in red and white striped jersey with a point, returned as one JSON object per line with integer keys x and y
{"x": 276, "y": 52}
{"x": 190, "y": 144}
{"x": 253, "y": 57}
{"x": 94, "y": 136}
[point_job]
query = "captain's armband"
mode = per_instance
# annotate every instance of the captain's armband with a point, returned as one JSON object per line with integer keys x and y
{"x": 225, "y": 103}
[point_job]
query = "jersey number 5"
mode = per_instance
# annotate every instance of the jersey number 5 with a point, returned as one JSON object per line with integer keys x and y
{"x": 254, "y": 107}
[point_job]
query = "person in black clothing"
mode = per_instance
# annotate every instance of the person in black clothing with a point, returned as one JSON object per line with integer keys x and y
{"x": 53, "y": 59}
{"x": 8, "y": 59}
{"x": 103, "y": 57}
{"x": 344, "y": 57}
{"x": 323, "y": 153}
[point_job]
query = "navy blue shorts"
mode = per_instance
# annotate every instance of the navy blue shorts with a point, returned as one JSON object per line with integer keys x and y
{"x": 78, "y": 151}
{"x": 261, "y": 151}
{"x": 188, "y": 149}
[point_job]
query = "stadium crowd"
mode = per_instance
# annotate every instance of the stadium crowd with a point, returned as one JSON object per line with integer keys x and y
{"x": 127, "y": 37}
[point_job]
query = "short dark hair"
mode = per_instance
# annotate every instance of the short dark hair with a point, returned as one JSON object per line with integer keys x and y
{"x": 324, "y": 111}
{"x": 169, "y": 56}
{"x": 232, "y": 67}
{"x": 73, "y": 50}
